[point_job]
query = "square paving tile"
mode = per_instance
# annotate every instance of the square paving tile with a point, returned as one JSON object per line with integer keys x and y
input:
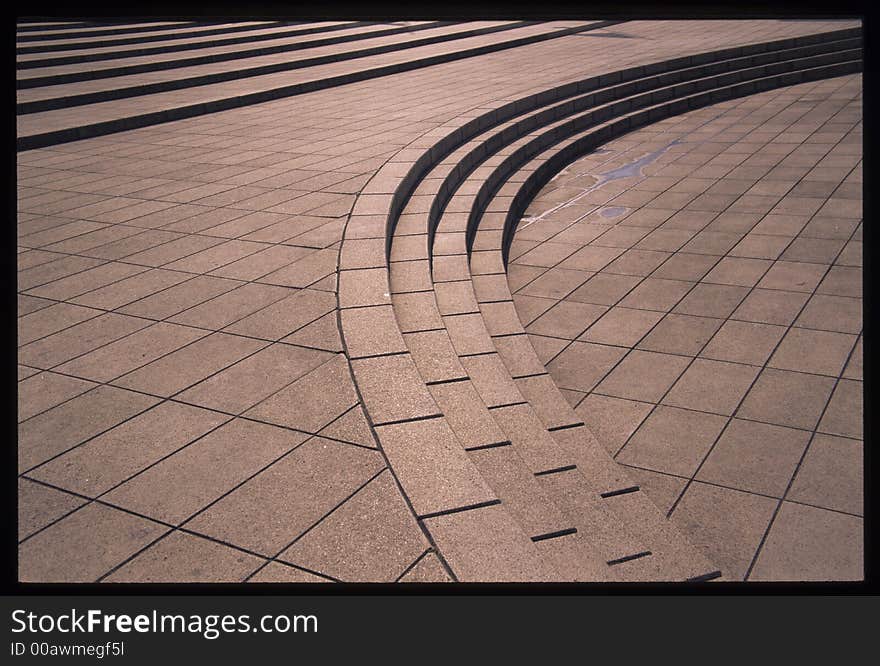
{"x": 178, "y": 298}
{"x": 755, "y": 457}
{"x": 285, "y": 316}
{"x": 78, "y": 339}
{"x": 711, "y": 300}
{"x": 112, "y": 457}
{"x": 132, "y": 352}
{"x": 252, "y": 379}
{"x": 771, "y": 307}
{"x": 832, "y": 313}
{"x": 672, "y": 440}
{"x": 793, "y": 276}
{"x": 643, "y": 375}
{"x": 831, "y": 475}
{"x": 612, "y": 420}
{"x": 743, "y": 342}
{"x": 656, "y": 294}
{"x": 566, "y": 319}
{"x": 712, "y": 386}
{"x": 186, "y": 482}
{"x": 275, "y": 572}
{"x": 739, "y": 271}
{"x": 844, "y": 414}
{"x": 52, "y": 319}
{"x": 604, "y": 289}
{"x": 39, "y": 505}
{"x": 807, "y": 543}
{"x": 555, "y": 283}
{"x": 45, "y": 390}
{"x": 84, "y": 546}
{"x": 73, "y": 422}
{"x": 727, "y": 525}
{"x": 186, "y": 558}
{"x": 582, "y": 365}
{"x": 312, "y": 401}
{"x": 680, "y": 334}
{"x": 818, "y": 352}
{"x": 372, "y": 537}
{"x": 842, "y": 281}
{"x": 621, "y": 326}
{"x": 230, "y": 306}
{"x": 592, "y": 258}
{"x": 685, "y": 266}
{"x": 854, "y": 365}
{"x": 760, "y": 246}
{"x": 190, "y": 364}
{"x": 276, "y": 506}
{"x": 787, "y": 398}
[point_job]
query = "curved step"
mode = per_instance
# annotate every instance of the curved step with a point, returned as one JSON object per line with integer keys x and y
{"x": 496, "y": 400}
{"x": 577, "y": 440}
{"x": 437, "y": 314}
{"x": 438, "y": 330}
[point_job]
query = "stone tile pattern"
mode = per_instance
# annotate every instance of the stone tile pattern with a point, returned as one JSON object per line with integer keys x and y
{"x": 702, "y": 310}
{"x": 186, "y": 408}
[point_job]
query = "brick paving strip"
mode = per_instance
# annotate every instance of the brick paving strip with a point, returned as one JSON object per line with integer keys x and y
{"x": 188, "y": 272}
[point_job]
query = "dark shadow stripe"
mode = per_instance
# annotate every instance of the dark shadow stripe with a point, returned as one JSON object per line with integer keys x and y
{"x": 629, "y": 558}
{"x": 171, "y": 48}
{"x": 554, "y": 535}
{"x": 470, "y": 507}
{"x": 127, "y": 70}
{"x": 622, "y": 491}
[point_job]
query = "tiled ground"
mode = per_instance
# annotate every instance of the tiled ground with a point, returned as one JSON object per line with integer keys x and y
{"x": 187, "y": 411}
{"x": 694, "y": 287}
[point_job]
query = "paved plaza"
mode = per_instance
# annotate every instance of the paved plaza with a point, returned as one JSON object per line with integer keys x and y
{"x": 440, "y": 301}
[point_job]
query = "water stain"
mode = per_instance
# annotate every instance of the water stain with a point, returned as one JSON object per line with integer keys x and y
{"x": 612, "y": 211}
{"x": 632, "y": 169}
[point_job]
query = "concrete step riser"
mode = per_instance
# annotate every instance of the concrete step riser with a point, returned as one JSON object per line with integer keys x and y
{"x": 704, "y": 88}
{"x": 606, "y": 96}
{"x": 44, "y": 48}
{"x": 189, "y": 111}
{"x": 110, "y": 72}
{"x": 613, "y": 129}
{"x": 109, "y": 31}
{"x": 461, "y": 171}
{"x": 172, "y": 48}
{"x": 486, "y": 122}
{"x": 68, "y": 101}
